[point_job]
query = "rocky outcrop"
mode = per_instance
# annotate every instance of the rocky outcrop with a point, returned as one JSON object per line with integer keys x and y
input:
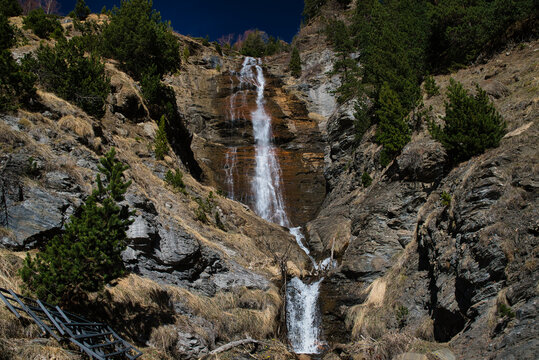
{"x": 479, "y": 252}
{"x": 218, "y": 112}
{"x": 164, "y": 251}
{"x": 125, "y": 98}
{"x": 33, "y": 213}
{"x": 463, "y": 273}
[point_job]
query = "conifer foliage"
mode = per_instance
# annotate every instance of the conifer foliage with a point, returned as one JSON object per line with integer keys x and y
{"x": 82, "y": 80}
{"x": 16, "y": 86}
{"x": 88, "y": 255}
{"x": 81, "y": 10}
{"x": 472, "y": 124}
{"x": 295, "y": 63}
{"x": 43, "y": 25}
{"x": 161, "y": 141}
{"x": 138, "y": 39}
{"x": 393, "y": 131}
{"x": 10, "y": 8}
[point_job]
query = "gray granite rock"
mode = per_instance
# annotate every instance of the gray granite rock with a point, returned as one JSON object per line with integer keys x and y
{"x": 37, "y": 217}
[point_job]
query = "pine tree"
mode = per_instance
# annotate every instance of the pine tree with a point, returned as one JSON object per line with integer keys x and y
{"x": 161, "y": 141}
{"x": 472, "y": 124}
{"x": 312, "y": 8}
{"x": 138, "y": 38}
{"x": 393, "y": 131}
{"x": 295, "y": 63}
{"x": 16, "y": 86}
{"x": 10, "y": 8}
{"x": 81, "y": 10}
{"x": 430, "y": 86}
{"x": 42, "y": 24}
{"x": 88, "y": 255}
{"x": 83, "y": 79}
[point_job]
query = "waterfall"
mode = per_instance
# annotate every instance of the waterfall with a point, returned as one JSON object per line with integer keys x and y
{"x": 301, "y": 298}
{"x": 302, "y": 318}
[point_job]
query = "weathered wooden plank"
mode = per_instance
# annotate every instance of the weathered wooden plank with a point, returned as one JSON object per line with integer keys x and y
{"x": 51, "y": 318}
{"x": 9, "y": 306}
{"x": 38, "y": 321}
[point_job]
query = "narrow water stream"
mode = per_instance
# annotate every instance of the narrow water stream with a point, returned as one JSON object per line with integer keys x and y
{"x": 303, "y": 316}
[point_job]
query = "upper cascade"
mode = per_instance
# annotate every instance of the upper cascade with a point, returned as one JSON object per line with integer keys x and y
{"x": 266, "y": 184}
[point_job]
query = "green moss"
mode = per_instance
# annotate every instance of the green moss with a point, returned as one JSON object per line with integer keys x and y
{"x": 505, "y": 311}
{"x": 366, "y": 180}
{"x": 445, "y": 198}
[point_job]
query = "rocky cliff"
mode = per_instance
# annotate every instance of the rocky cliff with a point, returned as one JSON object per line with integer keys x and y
{"x": 196, "y": 280}
{"x": 217, "y": 111}
{"x": 418, "y": 277}
{"x": 414, "y": 269}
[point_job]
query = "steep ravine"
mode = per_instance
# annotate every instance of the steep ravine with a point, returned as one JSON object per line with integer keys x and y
{"x": 414, "y": 275}
{"x": 194, "y": 283}
{"x": 413, "y": 271}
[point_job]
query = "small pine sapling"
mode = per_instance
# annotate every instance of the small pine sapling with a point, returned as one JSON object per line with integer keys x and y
{"x": 161, "y": 141}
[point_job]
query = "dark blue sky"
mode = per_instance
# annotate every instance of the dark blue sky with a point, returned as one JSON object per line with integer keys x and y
{"x": 280, "y": 18}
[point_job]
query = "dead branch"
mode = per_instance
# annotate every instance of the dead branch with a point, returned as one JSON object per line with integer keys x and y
{"x": 233, "y": 344}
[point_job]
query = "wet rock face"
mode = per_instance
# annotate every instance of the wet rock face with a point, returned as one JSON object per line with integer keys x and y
{"x": 223, "y": 133}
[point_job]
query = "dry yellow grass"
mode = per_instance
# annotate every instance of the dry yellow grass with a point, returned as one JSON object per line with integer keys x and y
{"x": 385, "y": 348}
{"x": 10, "y": 263}
{"x": 135, "y": 289}
{"x": 425, "y": 330}
{"x": 29, "y": 350}
{"x": 57, "y": 104}
{"x": 365, "y": 319}
{"x": 234, "y": 314}
{"x": 164, "y": 338}
{"x": 80, "y": 126}
{"x": 240, "y": 313}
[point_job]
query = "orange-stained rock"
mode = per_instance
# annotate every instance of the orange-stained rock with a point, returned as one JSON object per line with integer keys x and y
{"x": 227, "y": 130}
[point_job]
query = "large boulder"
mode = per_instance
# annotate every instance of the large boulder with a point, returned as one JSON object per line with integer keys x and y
{"x": 125, "y": 97}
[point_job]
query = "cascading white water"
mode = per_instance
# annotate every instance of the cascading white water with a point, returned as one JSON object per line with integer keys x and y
{"x": 266, "y": 185}
{"x": 302, "y": 318}
{"x": 301, "y": 299}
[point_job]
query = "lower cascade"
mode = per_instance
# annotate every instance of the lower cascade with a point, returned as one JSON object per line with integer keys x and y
{"x": 303, "y": 317}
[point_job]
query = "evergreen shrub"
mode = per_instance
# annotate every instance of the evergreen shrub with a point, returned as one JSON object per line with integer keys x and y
{"x": 66, "y": 70}
{"x": 393, "y": 131}
{"x": 175, "y": 179}
{"x": 43, "y": 25}
{"x": 366, "y": 179}
{"x": 430, "y": 86}
{"x": 138, "y": 38}
{"x": 10, "y": 8}
{"x": 472, "y": 124}
{"x": 88, "y": 254}
{"x": 295, "y": 63}
{"x": 16, "y": 85}
{"x": 161, "y": 141}
{"x": 81, "y": 10}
